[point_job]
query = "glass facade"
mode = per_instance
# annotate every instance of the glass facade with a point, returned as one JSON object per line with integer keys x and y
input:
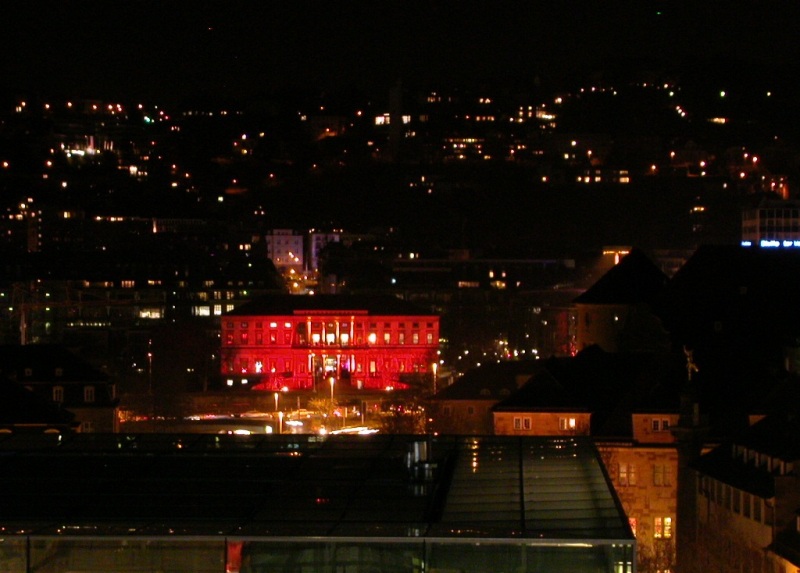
{"x": 308, "y": 504}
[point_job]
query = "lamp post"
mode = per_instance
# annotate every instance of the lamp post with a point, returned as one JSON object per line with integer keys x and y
{"x": 435, "y": 367}
{"x": 332, "y": 382}
{"x": 277, "y": 396}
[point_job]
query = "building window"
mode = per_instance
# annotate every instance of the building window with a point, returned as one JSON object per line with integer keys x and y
{"x": 387, "y": 337}
{"x": 526, "y": 423}
{"x": 415, "y": 338}
{"x": 88, "y": 394}
{"x": 259, "y": 337}
{"x": 633, "y": 524}
{"x": 567, "y": 424}
{"x": 627, "y": 474}
{"x": 58, "y": 394}
{"x": 229, "y": 338}
{"x": 401, "y": 338}
{"x": 429, "y": 338}
{"x": 517, "y": 423}
{"x": 470, "y": 410}
{"x": 662, "y": 528}
{"x": 662, "y": 475}
{"x": 87, "y": 427}
{"x": 244, "y": 338}
{"x": 661, "y": 425}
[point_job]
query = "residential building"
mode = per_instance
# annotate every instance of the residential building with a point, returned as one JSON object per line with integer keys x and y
{"x": 617, "y": 312}
{"x": 286, "y": 250}
{"x": 748, "y": 501}
{"x": 628, "y": 404}
{"x": 465, "y": 407}
{"x": 58, "y": 376}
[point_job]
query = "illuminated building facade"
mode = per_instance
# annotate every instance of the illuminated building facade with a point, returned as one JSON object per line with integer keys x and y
{"x": 772, "y": 224}
{"x": 308, "y": 342}
{"x": 285, "y": 248}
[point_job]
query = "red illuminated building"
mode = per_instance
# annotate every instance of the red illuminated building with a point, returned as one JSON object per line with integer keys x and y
{"x": 303, "y": 342}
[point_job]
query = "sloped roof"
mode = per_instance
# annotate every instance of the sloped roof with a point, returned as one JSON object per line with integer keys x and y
{"x": 22, "y": 407}
{"x": 777, "y": 435}
{"x": 281, "y": 304}
{"x": 611, "y": 386}
{"x": 635, "y": 279}
{"x": 38, "y": 363}
{"x": 493, "y": 381}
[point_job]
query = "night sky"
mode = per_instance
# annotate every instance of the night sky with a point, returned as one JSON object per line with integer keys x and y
{"x": 180, "y": 50}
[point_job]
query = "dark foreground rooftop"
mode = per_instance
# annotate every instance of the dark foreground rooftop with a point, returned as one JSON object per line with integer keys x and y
{"x": 307, "y": 486}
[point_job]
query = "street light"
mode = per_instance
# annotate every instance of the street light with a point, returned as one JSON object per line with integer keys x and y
{"x": 276, "y": 395}
{"x": 332, "y": 382}
{"x": 435, "y": 367}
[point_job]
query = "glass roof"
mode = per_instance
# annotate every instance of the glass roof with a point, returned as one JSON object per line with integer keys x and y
{"x": 310, "y": 486}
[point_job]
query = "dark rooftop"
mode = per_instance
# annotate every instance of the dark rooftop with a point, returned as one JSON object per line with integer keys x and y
{"x": 635, "y": 279}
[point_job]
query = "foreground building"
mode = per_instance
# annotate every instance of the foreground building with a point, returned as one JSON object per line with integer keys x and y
{"x": 748, "y": 501}
{"x": 326, "y": 341}
{"x": 209, "y": 503}
{"x": 64, "y": 381}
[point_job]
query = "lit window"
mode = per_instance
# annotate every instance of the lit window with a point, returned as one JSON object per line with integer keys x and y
{"x": 387, "y": 337}
{"x": 372, "y": 338}
{"x": 567, "y": 423}
{"x": 632, "y": 523}
{"x": 627, "y": 474}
